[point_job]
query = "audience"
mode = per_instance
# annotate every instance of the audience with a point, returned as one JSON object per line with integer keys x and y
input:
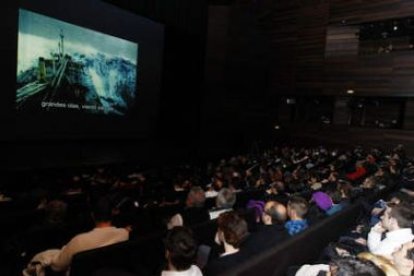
{"x": 284, "y": 186}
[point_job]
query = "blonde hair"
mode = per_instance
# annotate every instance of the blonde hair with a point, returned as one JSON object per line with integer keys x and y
{"x": 381, "y": 262}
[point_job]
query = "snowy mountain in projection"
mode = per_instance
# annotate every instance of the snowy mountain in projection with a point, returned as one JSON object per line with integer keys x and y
{"x": 113, "y": 80}
{"x": 68, "y": 67}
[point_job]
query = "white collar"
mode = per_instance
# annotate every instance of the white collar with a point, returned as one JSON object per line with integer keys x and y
{"x": 400, "y": 234}
{"x": 229, "y": 253}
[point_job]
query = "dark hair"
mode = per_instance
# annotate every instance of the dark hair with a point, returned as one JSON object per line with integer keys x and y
{"x": 181, "y": 246}
{"x": 196, "y": 196}
{"x": 56, "y": 211}
{"x": 102, "y": 210}
{"x": 234, "y": 228}
{"x": 350, "y": 266}
{"x": 410, "y": 254}
{"x": 404, "y": 215}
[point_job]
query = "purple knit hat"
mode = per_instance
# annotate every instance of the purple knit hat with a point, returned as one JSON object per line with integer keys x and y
{"x": 323, "y": 200}
{"x": 257, "y": 206}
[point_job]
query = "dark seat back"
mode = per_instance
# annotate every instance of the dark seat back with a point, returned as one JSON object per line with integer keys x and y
{"x": 141, "y": 257}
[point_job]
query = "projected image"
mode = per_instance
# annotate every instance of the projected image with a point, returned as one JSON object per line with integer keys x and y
{"x": 69, "y": 68}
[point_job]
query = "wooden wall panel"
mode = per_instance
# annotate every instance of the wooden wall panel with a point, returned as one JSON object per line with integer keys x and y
{"x": 312, "y": 20}
{"x": 379, "y": 75}
{"x": 283, "y": 32}
{"x": 409, "y": 115}
{"x": 348, "y": 66}
{"x": 341, "y": 41}
{"x": 357, "y": 11}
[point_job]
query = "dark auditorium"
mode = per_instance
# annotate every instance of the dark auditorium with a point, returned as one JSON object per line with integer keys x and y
{"x": 215, "y": 138}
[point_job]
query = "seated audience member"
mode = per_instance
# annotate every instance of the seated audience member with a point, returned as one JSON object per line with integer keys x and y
{"x": 257, "y": 207}
{"x": 338, "y": 203}
{"x": 231, "y": 232}
{"x": 378, "y": 210}
{"x": 214, "y": 187}
{"x": 276, "y": 192}
{"x": 52, "y": 232}
{"x": 180, "y": 252}
{"x": 407, "y": 181}
{"x": 325, "y": 203}
{"x": 296, "y": 209}
{"x": 369, "y": 184}
{"x": 102, "y": 235}
{"x": 224, "y": 203}
{"x": 354, "y": 266}
{"x": 322, "y": 200}
{"x": 347, "y": 266}
{"x": 403, "y": 259}
{"x": 272, "y": 231}
{"x": 396, "y": 224}
{"x": 359, "y": 172}
{"x": 194, "y": 212}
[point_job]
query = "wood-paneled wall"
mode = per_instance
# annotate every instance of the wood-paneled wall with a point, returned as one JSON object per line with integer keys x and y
{"x": 359, "y": 11}
{"x": 310, "y": 45}
{"x": 315, "y": 50}
{"x": 346, "y": 67}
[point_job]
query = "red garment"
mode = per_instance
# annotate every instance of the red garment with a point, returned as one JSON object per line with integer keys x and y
{"x": 358, "y": 173}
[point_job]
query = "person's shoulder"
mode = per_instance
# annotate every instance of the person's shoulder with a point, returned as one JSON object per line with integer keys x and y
{"x": 122, "y": 233}
{"x": 194, "y": 271}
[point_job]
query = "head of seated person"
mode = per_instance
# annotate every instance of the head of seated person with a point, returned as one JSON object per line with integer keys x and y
{"x": 225, "y": 201}
{"x": 297, "y": 209}
{"x": 322, "y": 200}
{"x": 231, "y": 231}
{"x": 102, "y": 211}
{"x": 195, "y": 197}
{"x": 256, "y": 207}
{"x": 194, "y": 212}
{"x": 369, "y": 183}
{"x": 56, "y": 212}
{"x": 398, "y": 217}
{"x": 180, "y": 252}
{"x": 274, "y": 213}
{"x": 353, "y": 266}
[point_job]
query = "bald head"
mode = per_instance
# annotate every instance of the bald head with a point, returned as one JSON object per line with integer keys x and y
{"x": 274, "y": 213}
